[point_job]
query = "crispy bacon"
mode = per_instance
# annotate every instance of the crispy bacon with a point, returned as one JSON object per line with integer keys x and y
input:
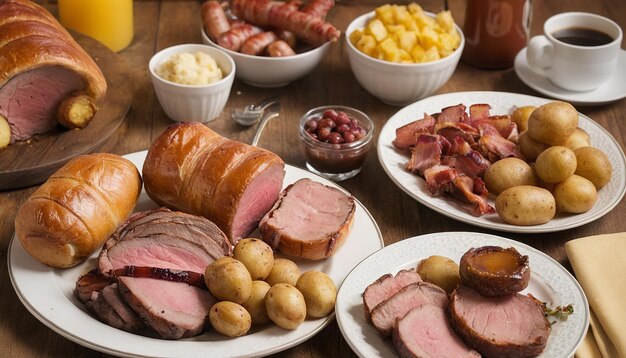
{"x": 407, "y": 134}
{"x": 453, "y": 114}
{"x": 440, "y": 179}
{"x": 493, "y": 146}
{"x": 427, "y": 152}
{"x": 479, "y": 111}
{"x": 465, "y": 186}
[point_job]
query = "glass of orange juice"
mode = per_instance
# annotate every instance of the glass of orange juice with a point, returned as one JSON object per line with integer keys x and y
{"x": 108, "y": 21}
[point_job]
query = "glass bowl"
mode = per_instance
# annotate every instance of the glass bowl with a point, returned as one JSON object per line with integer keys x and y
{"x": 339, "y": 160}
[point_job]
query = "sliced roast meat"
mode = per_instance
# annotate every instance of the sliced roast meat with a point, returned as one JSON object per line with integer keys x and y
{"x": 384, "y": 315}
{"x": 505, "y": 326}
{"x": 174, "y": 310}
{"x": 426, "y": 332}
{"x": 386, "y": 286}
{"x": 310, "y": 220}
{"x": 109, "y": 307}
{"x": 92, "y": 281}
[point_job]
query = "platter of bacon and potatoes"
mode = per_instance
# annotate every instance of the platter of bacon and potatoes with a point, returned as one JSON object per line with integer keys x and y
{"x": 506, "y": 316}
{"x": 455, "y": 113}
{"x": 49, "y": 294}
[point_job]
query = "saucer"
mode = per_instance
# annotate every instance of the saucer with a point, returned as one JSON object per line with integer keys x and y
{"x": 613, "y": 90}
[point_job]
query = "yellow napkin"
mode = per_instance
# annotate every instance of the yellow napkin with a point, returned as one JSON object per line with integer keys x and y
{"x": 599, "y": 263}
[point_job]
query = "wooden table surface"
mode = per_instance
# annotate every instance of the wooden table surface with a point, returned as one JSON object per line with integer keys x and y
{"x": 159, "y": 24}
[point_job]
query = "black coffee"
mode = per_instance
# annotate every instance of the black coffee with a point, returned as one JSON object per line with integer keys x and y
{"x": 581, "y": 36}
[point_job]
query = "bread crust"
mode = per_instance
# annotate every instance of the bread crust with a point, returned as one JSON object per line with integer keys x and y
{"x": 71, "y": 215}
{"x": 30, "y": 37}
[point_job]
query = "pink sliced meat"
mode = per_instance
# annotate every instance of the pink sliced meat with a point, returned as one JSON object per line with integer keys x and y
{"x": 386, "y": 286}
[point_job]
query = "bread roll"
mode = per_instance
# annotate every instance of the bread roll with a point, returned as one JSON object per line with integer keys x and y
{"x": 71, "y": 215}
{"x": 191, "y": 168}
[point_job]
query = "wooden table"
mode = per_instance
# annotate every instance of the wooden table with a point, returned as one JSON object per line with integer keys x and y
{"x": 159, "y": 24}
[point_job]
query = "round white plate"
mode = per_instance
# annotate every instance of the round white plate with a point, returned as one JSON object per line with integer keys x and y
{"x": 613, "y": 90}
{"x": 549, "y": 282}
{"x": 48, "y": 294}
{"x": 394, "y": 161}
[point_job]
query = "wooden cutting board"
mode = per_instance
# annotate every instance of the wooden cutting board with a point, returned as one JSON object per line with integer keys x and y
{"x": 25, "y": 164}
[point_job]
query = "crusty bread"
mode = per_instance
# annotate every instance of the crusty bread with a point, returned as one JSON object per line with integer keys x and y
{"x": 30, "y": 37}
{"x": 71, "y": 215}
{"x": 191, "y": 168}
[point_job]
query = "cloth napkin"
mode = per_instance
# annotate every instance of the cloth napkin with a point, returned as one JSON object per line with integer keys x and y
{"x": 599, "y": 263}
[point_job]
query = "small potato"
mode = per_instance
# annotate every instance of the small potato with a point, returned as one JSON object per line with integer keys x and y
{"x": 529, "y": 147}
{"x": 553, "y": 122}
{"x": 255, "y": 305}
{"x": 525, "y": 205}
{"x": 520, "y": 116}
{"x": 575, "y": 195}
{"x": 5, "y": 132}
{"x": 578, "y": 139}
{"x": 555, "y": 164}
{"x": 230, "y": 319}
{"x": 319, "y": 293}
{"x": 285, "y": 306}
{"x": 594, "y": 165}
{"x": 285, "y": 271}
{"x": 507, "y": 173}
{"x": 256, "y": 255}
{"x": 228, "y": 280}
{"x": 441, "y": 271}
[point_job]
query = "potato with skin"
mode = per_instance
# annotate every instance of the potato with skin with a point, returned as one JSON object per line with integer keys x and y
{"x": 575, "y": 195}
{"x": 594, "y": 165}
{"x": 284, "y": 271}
{"x": 529, "y": 147}
{"x": 285, "y": 306}
{"x": 256, "y": 255}
{"x": 553, "y": 122}
{"x": 441, "y": 271}
{"x": 555, "y": 164}
{"x": 520, "y": 116}
{"x": 525, "y": 205}
{"x": 578, "y": 139}
{"x": 255, "y": 305}
{"x": 5, "y": 132}
{"x": 507, "y": 173}
{"x": 230, "y": 319}
{"x": 319, "y": 291}
{"x": 228, "y": 280}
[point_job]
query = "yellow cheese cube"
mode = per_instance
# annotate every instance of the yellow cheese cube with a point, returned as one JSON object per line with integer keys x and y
{"x": 377, "y": 29}
{"x": 384, "y": 14}
{"x": 392, "y": 29}
{"x": 417, "y": 53}
{"x": 406, "y": 39}
{"x": 355, "y": 36}
{"x": 367, "y": 45}
{"x": 428, "y": 37}
{"x": 444, "y": 19}
{"x": 431, "y": 54}
{"x": 388, "y": 50}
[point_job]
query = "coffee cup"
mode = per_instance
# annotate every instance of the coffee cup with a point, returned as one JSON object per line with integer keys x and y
{"x": 578, "y": 51}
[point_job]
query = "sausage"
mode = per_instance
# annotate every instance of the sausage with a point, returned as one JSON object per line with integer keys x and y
{"x": 319, "y": 8}
{"x": 287, "y": 36}
{"x": 256, "y": 44}
{"x": 236, "y": 36}
{"x": 280, "y": 48}
{"x": 214, "y": 19}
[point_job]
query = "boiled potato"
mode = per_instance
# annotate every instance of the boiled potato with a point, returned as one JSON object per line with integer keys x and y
{"x": 578, "y": 139}
{"x": 507, "y": 173}
{"x": 525, "y": 205}
{"x": 229, "y": 280}
{"x": 441, "y": 271}
{"x": 256, "y": 255}
{"x": 553, "y": 122}
{"x": 575, "y": 195}
{"x": 520, "y": 116}
{"x": 529, "y": 147}
{"x": 255, "y": 305}
{"x": 285, "y": 305}
{"x": 593, "y": 165}
{"x": 230, "y": 319}
{"x": 319, "y": 293}
{"x": 5, "y": 132}
{"x": 555, "y": 164}
{"x": 284, "y": 271}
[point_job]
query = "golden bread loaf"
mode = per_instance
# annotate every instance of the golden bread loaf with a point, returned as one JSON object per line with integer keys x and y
{"x": 71, "y": 215}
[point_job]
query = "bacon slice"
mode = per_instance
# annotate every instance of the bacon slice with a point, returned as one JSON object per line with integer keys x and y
{"x": 407, "y": 134}
{"x": 427, "y": 152}
{"x": 453, "y": 114}
{"x": 493, "y": 146}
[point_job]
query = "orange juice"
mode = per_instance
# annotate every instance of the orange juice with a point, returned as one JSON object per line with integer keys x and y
{"x": 108, "y": 21}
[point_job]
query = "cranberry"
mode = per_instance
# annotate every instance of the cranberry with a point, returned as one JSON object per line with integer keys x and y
{"x": 327, "y": 122}
{"x": 311, "y": 125}
{"x": 323, "y": 133}
{"x": 348, "y": 137}
{"x": 335, "y": 138}
{"x": 330, "y": 113}
{"x": 342, "y": 128}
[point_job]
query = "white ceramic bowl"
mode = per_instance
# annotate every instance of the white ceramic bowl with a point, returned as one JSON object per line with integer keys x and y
{"x": 185, "y": 103}
{"x": 264, "y": 71}
{"x": 397, "y": 83}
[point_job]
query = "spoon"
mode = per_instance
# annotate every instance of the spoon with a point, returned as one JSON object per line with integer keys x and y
{"x": 266, "y": 117}
{"x": 251, "y": 114}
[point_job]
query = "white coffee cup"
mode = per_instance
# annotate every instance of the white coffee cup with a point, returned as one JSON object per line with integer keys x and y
{"x": 570, "y": 66}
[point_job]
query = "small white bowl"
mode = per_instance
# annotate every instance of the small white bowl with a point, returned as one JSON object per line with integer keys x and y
{"x": 398, "y": 83}
{"x": 265, "y": 71}
{"x": 185, "y": 103}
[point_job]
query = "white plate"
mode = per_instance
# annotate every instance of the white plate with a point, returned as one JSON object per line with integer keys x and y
{"x": 48, "y": 294}
{"x": 549, "y": 282}
{"x": 393, "y": 161}
{"x": 613, "y": 90}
